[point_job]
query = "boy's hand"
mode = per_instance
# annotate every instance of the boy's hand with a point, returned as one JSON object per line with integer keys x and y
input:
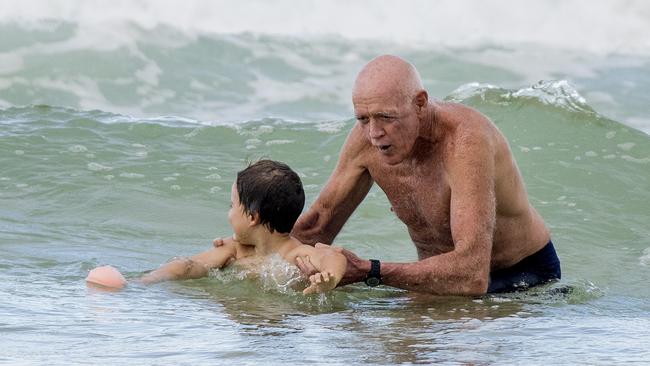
{"x": 355, "y": 271}
{"x": 320, "y": 282}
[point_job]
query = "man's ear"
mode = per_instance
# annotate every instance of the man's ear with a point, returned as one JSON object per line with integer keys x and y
{"x": 421, "y": 100}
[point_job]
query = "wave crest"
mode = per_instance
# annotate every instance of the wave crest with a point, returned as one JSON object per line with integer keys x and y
{"x": 555, "y": 93}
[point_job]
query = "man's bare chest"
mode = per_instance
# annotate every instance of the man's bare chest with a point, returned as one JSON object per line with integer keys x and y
{"x": 419, "y": 199}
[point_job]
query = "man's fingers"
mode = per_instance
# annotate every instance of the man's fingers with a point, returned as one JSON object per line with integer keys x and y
{"x": 217, "y": 242}
{"x": 301, "y": 265}
{"x": 305, "y": 266}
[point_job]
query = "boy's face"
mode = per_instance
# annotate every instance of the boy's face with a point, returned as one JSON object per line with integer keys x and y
{"x": 239, "y": 221}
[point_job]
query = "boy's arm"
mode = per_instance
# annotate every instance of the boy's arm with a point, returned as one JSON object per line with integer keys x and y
{"x": 196, "y": 266}
{"x": 330, "y": 265}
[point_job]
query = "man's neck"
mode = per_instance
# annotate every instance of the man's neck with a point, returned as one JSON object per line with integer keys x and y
{"x": 428, "y": 123}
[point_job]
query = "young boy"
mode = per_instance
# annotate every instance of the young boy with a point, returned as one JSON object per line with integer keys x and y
{"x": 265, "y": 202}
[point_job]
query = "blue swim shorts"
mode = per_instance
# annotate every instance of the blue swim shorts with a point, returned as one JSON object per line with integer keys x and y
{"x": 536, "y": 269}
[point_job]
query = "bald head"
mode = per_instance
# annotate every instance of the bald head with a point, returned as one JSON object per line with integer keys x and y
{"x": 388, "y": 75}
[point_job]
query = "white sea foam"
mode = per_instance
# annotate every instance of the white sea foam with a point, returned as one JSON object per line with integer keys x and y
{"x": 605, "y": 26}
{"x": 96, "y": 167}
{"x": 644, "y": 260}
{"x": 279, "y": 142}
{"x": 132, "y": 175}
{"x": 78, "y": 149}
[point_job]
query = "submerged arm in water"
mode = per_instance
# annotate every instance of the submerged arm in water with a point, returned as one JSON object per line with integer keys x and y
{"x": 196, "y": 266}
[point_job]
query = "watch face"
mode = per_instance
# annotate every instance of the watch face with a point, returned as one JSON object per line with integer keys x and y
{"x": 372, "y": 281}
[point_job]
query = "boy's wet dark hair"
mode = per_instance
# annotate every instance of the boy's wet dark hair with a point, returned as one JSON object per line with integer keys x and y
{"x": 272, "y": 190}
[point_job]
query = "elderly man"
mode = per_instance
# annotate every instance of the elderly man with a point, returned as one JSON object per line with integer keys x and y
{"x": 449, "y": 175}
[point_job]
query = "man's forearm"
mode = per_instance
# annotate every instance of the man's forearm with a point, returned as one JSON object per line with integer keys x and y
{"x": 312, "y": 228}
{"x": 424, "y": 276}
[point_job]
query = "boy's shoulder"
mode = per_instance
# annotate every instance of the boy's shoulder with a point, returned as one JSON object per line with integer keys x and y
{"x": 242, "y": 251}
{"x": 300, "y": 250}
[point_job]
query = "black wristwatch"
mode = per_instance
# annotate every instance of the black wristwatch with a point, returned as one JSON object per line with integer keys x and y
{"x": 373, "y": 278}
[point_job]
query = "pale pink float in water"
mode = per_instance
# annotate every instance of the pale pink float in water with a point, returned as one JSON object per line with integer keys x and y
{"x": 106, "y": 276}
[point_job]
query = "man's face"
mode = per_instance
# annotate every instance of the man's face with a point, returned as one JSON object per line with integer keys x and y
{"x": 389, "y": 122}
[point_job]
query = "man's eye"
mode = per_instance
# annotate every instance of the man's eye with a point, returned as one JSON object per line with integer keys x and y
{"x": 362, "y": 120}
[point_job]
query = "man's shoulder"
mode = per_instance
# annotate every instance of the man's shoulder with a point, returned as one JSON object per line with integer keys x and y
{"x": 464, "y": 118}
{"x": 356, "y": 146}
{"x": 466, "y": 124}
{"x": 468, "y": 131}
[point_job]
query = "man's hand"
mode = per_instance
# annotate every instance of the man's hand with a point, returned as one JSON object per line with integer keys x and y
{"x": 221, "y": 241}
{"x": 355, "y": 271}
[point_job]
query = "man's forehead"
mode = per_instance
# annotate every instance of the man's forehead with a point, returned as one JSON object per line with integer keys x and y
{"x": 376, "y": 101}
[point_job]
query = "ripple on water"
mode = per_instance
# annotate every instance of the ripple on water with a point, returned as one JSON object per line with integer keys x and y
{"x": 644, "y": 260}
{"x": 96, "y": 167}
{"x": 77, "y": 148}
{"x": 132, "y": 175}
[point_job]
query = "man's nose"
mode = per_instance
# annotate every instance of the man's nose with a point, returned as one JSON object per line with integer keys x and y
{"x": 376, "y": 131}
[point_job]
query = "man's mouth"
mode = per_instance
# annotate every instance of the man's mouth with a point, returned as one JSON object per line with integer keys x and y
{"x": 384, "y": 148}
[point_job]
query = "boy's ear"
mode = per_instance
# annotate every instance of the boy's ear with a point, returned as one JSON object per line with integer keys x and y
{"x": 254, "y": 219}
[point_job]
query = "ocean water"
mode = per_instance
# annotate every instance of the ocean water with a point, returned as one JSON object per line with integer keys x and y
{"x": 123, "y": 124}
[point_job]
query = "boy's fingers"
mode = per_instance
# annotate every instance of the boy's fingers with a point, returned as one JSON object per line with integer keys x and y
{"x": 217, "y": 242}
{"x": 326, "y": 276}
{"x": 308, "y": 290}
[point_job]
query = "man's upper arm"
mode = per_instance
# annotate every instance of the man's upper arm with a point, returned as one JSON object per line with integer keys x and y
{"x": 473, "y": 206}
{"x": 345, "y": 189}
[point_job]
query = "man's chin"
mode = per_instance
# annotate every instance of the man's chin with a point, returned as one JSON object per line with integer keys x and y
{"x": 391, "y": 159}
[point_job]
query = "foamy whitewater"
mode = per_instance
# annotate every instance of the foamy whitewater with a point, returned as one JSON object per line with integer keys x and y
{"x": 123, "y": 124}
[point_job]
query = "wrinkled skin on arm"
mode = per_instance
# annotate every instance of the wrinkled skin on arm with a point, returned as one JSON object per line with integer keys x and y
{"x": 465, "y": 269}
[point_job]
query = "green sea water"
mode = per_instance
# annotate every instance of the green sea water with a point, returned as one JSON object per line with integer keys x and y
{"x": 124, "y": 152}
